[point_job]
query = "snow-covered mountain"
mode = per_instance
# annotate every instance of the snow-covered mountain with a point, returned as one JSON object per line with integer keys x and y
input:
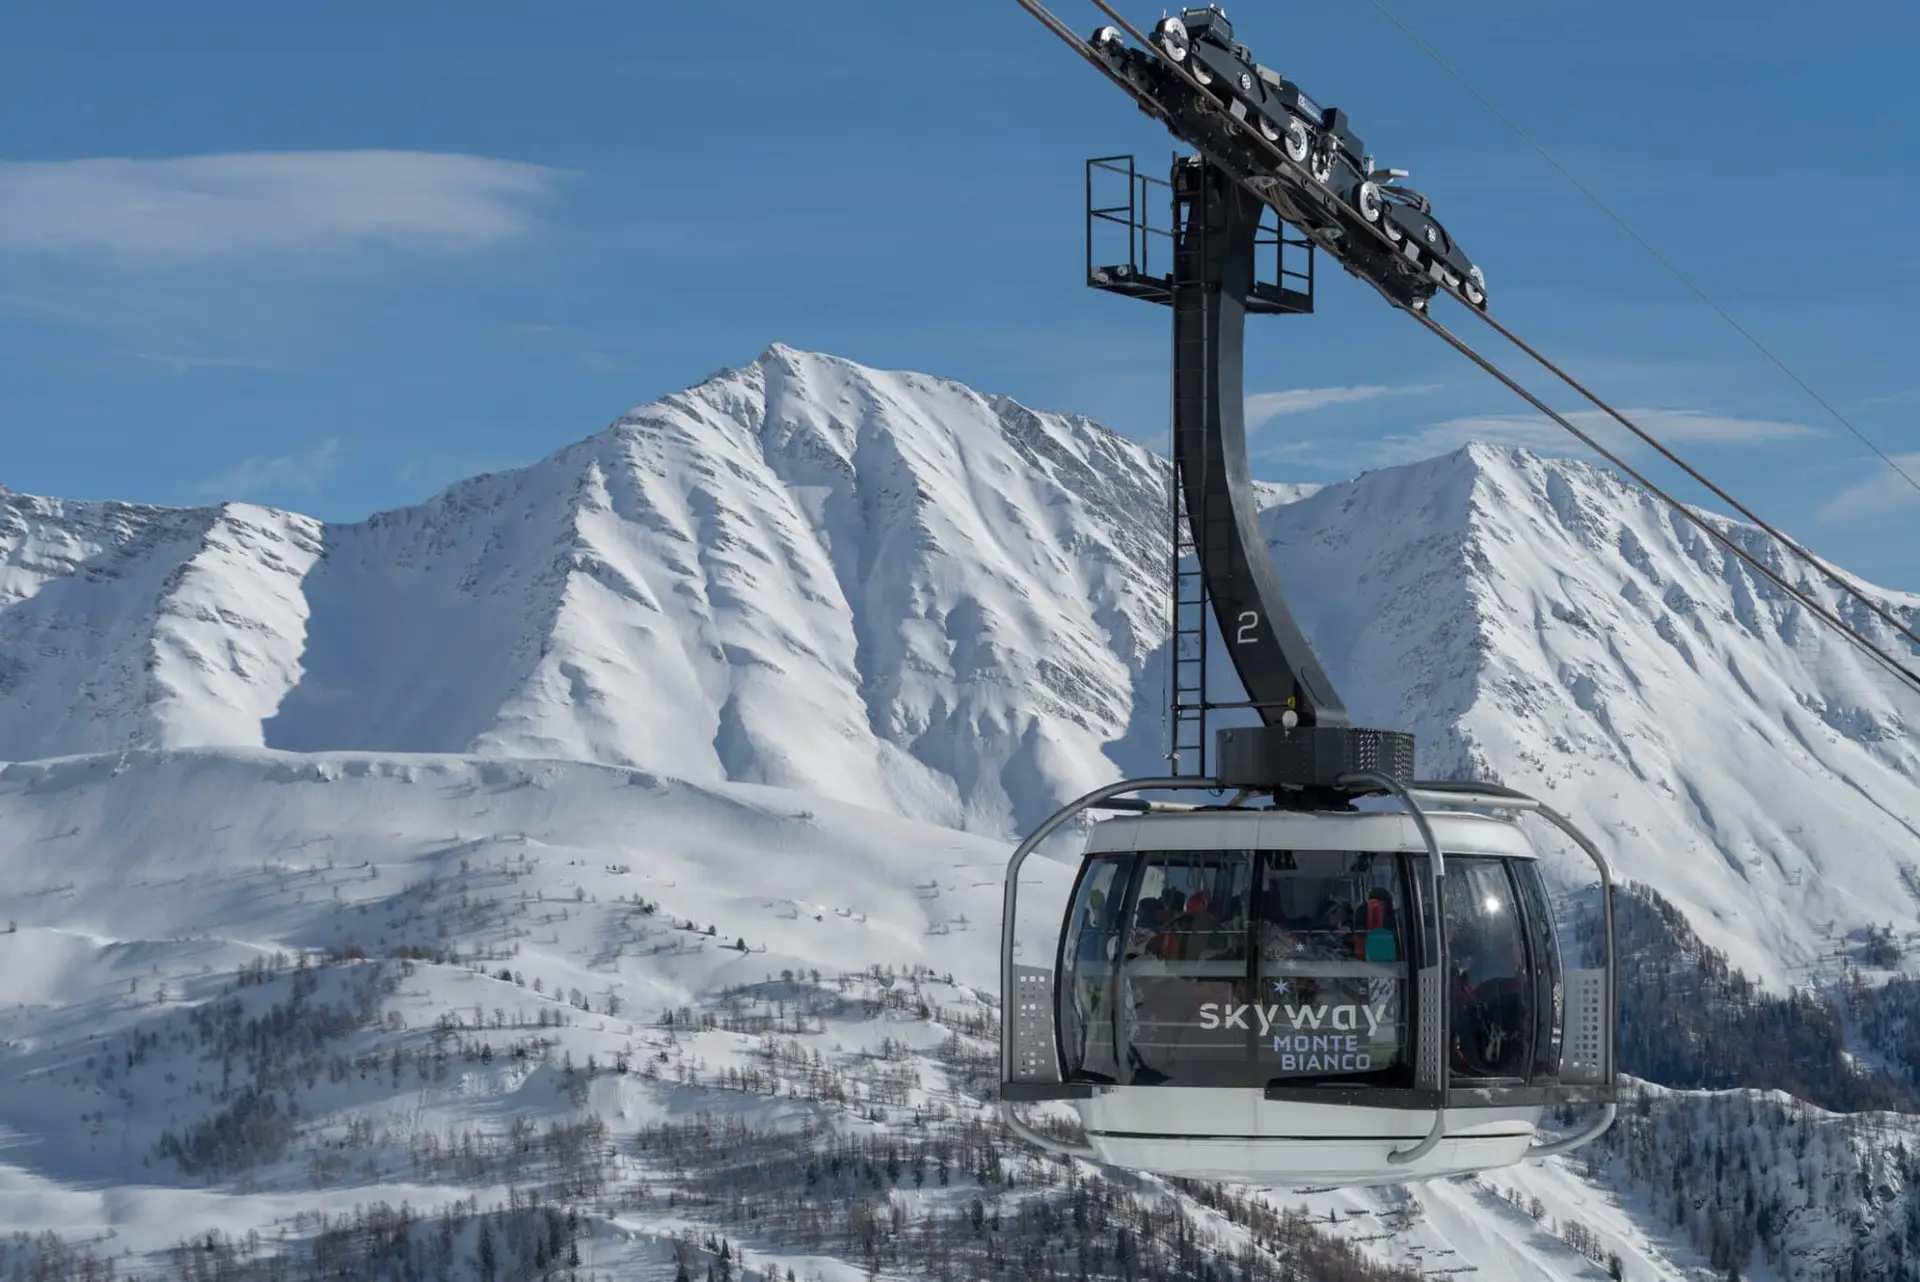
{"x": 1544, "y": 623}
{"x": 892, "y": 590}
{"x": 748, "y": 659}
{"x": 884, "y": 588}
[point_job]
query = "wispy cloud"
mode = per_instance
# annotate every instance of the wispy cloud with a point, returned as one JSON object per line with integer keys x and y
{"x": 1884, "y": 491}
{"x": 1542, "y": 435}
{"x": 259, "y": 477}
{"x": 188, "y": 364}
{"x": 1263, "y": 407}
{"x": 525, "y": 331}
{"x": 1893, "y": 398}
{"x": 140, "y": 213}
{"x": 1538, "y": 434}
{"x": 1697, "y": 425}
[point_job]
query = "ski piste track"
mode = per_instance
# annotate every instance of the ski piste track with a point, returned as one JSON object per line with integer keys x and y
{"x": 1299, "y": 176}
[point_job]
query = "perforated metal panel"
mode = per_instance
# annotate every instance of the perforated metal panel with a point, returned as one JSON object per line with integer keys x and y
{"x": 1428, "y": 1046}
{"x": 1586, "y": 1056}
{"x": 1314, "y": 756}
{"x": 1034, "y": 1059}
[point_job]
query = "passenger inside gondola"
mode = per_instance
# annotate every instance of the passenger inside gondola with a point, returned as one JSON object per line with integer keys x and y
{"x": 1188, "y": 954}
{"x": 1331, "y": 965}
{"x": 1164, "y": 918}
{"x": 1199, "y": 924}
{"x": 1335, "y": 936}
{"x": 1379, "y": 896}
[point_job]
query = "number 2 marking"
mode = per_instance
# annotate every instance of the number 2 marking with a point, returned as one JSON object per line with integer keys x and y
{"x": 1248, "y": 622}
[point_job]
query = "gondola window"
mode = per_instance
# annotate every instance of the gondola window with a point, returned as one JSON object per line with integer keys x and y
{"x": 1332, "y": 965}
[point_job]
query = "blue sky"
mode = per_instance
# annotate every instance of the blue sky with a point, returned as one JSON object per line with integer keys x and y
{"x": 334, "y": 257}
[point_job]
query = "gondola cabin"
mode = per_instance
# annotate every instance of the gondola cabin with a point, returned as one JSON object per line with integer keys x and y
{"x": 1292, "y": 987}
{"x": 1308, "y": 997}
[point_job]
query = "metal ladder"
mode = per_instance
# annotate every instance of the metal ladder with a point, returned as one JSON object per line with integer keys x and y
{"x": 1187, "y": 737}
{"x": 1187, "y": 705}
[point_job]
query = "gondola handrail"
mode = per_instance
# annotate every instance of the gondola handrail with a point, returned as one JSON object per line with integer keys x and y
{"x": 1438, "y": 868}
{"x": 1555, "y": 1148}
{"x": 1041, "y": 1140}
{"x": 1496, "y": 796}
{"x": 1010, "y": 896}
{"x": 1477, "y": 797}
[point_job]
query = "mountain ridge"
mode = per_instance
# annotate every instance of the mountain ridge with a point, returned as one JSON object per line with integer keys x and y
{"x": 619, "y": 793}
{"x": 892, "y": 590}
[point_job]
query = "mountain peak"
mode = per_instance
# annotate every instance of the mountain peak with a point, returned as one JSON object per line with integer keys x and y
{"x": 1543, "y": 623}
{"x": 890, "y": 589}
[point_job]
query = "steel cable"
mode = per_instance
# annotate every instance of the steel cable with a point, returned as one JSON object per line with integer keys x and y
{"x": 1893, "y": 665}
{"x": 1904, "y": 673}
{"x": 1790, "y": 544}
{"x": 1645, "y": 244}
{"x": 1793, "y": 546}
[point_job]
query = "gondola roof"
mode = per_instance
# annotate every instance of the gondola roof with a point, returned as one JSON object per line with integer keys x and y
{"x": 1459, "y": 833}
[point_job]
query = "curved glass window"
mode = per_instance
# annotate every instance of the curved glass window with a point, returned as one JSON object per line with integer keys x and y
{"x": 1089, "y": 953}
{"x": 1242, "y": 968}
{"x": 1543, "y": 945}
{"x": 1185, "y": 963}
{"x": 1491, "y": 987}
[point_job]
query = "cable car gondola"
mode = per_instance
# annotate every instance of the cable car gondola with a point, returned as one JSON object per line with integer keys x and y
{"x": 1267, "y": 994}
{"x": 1287, "y": 988}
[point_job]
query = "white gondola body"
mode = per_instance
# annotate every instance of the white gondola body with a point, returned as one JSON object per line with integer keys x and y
{"x": 1237, "y": 1133}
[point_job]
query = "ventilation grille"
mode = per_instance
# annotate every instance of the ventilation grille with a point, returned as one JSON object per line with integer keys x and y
{"x": 1429, "y": 1046}
{"x": 1033, "y": 1054}
{"x": 1585, "y": 1058}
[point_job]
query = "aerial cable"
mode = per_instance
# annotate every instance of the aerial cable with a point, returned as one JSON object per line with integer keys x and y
{"x": 1893, "y": 665}
{"x": 1794, "y": 547}
{"x": 1073, "y": 41}
{"x": 1821, "y": 567}
{"x": 1790, "y": 544}
{"x": 1645, "y": 244}
{"x": 1908, "y": 675}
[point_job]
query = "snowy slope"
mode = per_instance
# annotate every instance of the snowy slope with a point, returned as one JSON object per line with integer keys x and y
{"x": 892, "y": 590}
{"x": 1545, "y": 624}
{"x": 708, "y": 658}
{"x": 136, "y": 886}
{"x": 134, "y": 848}
{"x": 139, "y": 886}
{"x": 130, "y": 626}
